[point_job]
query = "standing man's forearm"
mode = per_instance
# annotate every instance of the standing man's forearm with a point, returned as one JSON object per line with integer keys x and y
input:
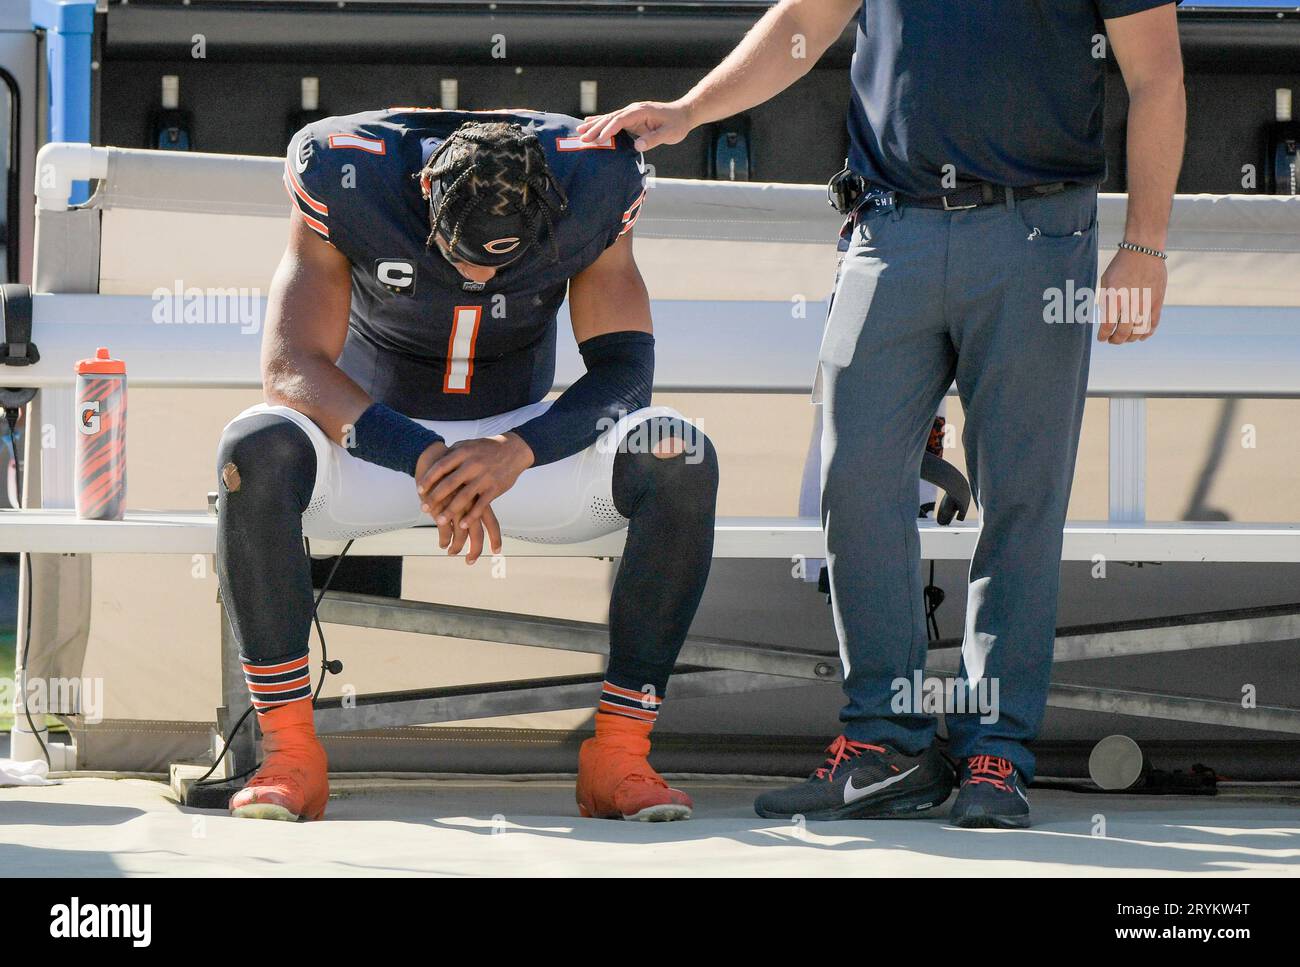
{"x": 1147, "y": 47}
{"x": 778, "y": 50}
{"x": 1156, "y": 131}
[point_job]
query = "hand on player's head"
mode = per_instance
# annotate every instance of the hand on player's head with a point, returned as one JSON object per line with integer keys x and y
{"x": 651, "y": 123}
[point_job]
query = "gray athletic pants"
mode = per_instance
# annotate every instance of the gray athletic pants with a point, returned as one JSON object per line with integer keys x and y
{"x": 924, "y": 297}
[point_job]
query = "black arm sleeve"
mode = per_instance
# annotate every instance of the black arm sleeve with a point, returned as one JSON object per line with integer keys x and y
{"x": 389, "y": 439}
{"x": 619, "y": 378}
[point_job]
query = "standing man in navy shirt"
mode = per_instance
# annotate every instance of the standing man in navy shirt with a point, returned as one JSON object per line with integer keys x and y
{"x": 976, "y": 151}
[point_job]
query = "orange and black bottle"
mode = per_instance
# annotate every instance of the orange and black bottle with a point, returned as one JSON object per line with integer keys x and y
{"x": 101, "y": 437}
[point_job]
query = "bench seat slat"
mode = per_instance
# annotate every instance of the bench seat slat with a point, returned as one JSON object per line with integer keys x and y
{"x": 180, "y": 532}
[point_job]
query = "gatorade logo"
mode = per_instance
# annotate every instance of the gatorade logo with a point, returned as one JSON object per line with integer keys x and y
{"x": 397, "y": 275}
{"x": 89, "y": 423}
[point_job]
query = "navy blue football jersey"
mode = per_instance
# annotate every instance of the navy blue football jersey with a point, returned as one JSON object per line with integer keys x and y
{"x": 422, "y": 339}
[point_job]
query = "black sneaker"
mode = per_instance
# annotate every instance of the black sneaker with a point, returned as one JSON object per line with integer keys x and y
{"x": 863, "y": 781}
{"x": 992, "y": 795}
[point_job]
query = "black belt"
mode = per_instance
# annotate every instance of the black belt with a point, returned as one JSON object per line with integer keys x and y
{"x": 847, "y": 188}
{"x": 979, "y": 195}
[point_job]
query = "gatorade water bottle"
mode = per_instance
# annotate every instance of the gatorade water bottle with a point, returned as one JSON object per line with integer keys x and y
{"x": 101, "y": 437}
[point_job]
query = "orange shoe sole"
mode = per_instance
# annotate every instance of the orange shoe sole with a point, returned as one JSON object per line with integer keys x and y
{"x": 272, "y": 811}
{"x": 666, "y": 812}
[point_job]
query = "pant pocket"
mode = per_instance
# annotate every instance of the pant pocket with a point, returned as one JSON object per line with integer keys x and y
{"x": 1059, "y": 275}
{"x": 1067, "y": 214}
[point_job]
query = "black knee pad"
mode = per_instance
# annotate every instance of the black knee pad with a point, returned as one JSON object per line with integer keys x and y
{"x": 266, "y": 457}
{"x": 689, "y": 479}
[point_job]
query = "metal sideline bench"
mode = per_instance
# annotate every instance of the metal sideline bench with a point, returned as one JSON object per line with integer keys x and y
{"x": 1233, "y": 260}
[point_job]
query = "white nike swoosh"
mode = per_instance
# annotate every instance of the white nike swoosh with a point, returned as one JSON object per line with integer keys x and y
{"x": 853, "y": 794}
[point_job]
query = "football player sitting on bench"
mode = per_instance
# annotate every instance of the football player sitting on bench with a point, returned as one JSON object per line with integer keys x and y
{"x": 409, "y": 345}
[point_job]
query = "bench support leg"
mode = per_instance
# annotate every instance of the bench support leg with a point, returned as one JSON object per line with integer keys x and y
{"x": 242, "y": 755}
{"x": 1175, "y": 708}
{"x": 490, "y": 700}
{"x": 450, "y": 621}
{"x": 1128, "y": 459}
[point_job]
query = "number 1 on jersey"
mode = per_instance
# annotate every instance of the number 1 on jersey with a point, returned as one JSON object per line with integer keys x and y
{"x": 460, "y": 348}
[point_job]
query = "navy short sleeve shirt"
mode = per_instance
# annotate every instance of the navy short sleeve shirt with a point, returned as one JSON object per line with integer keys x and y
{"x": 951, "y": 92}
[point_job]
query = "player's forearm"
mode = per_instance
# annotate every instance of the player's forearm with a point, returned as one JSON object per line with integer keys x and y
{"x": 370, "y": 431}
{"x": 619, "y": 380}
{"x": 305, "y": 328}
{"x": 1156, "y": 132}
{"x": 778, "y": 50}
{"x": 316, "y": 387}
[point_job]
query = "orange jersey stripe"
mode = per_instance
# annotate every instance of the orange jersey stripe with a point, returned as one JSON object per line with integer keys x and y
{"x": 369, "y": 145}
{"x": 632, "y": 208}
{"x": 296, "y": 188}
{"x": 577, "y": 144}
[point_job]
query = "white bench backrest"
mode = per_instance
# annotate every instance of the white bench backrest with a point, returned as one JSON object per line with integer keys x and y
{"x": 739, "y": 273}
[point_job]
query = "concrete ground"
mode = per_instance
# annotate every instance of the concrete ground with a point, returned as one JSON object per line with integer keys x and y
{"x": 99, "y": 827}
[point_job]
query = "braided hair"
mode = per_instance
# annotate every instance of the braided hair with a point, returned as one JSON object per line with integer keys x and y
{"x": 496, "y": 167}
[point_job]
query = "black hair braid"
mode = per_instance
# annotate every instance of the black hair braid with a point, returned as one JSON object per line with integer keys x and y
{"x": 499, "y": 166}
{"x": 451, "y": 191}
{"x": 530, "y": 222}
{"x": 540, "y": 184}
{"x": 474, "y": 205}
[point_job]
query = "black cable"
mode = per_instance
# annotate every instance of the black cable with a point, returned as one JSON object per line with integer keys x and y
{"x": 933, "y": 598}
{"x": 326, "y": 665}
{"x": 203, "y": 779}
{"x": 333, "y": 668}
{"x": 24, "y": 565}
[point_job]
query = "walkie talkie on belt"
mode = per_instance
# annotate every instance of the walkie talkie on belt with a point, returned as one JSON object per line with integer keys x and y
{"x": 844, "y": 189}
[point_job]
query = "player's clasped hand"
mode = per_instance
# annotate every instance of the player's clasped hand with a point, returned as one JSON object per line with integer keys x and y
{"x": 458, "y": 484}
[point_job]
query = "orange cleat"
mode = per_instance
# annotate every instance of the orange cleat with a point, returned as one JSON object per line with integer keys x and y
{"x": 616, "y": 782}
{"x": 293, "y": 782}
